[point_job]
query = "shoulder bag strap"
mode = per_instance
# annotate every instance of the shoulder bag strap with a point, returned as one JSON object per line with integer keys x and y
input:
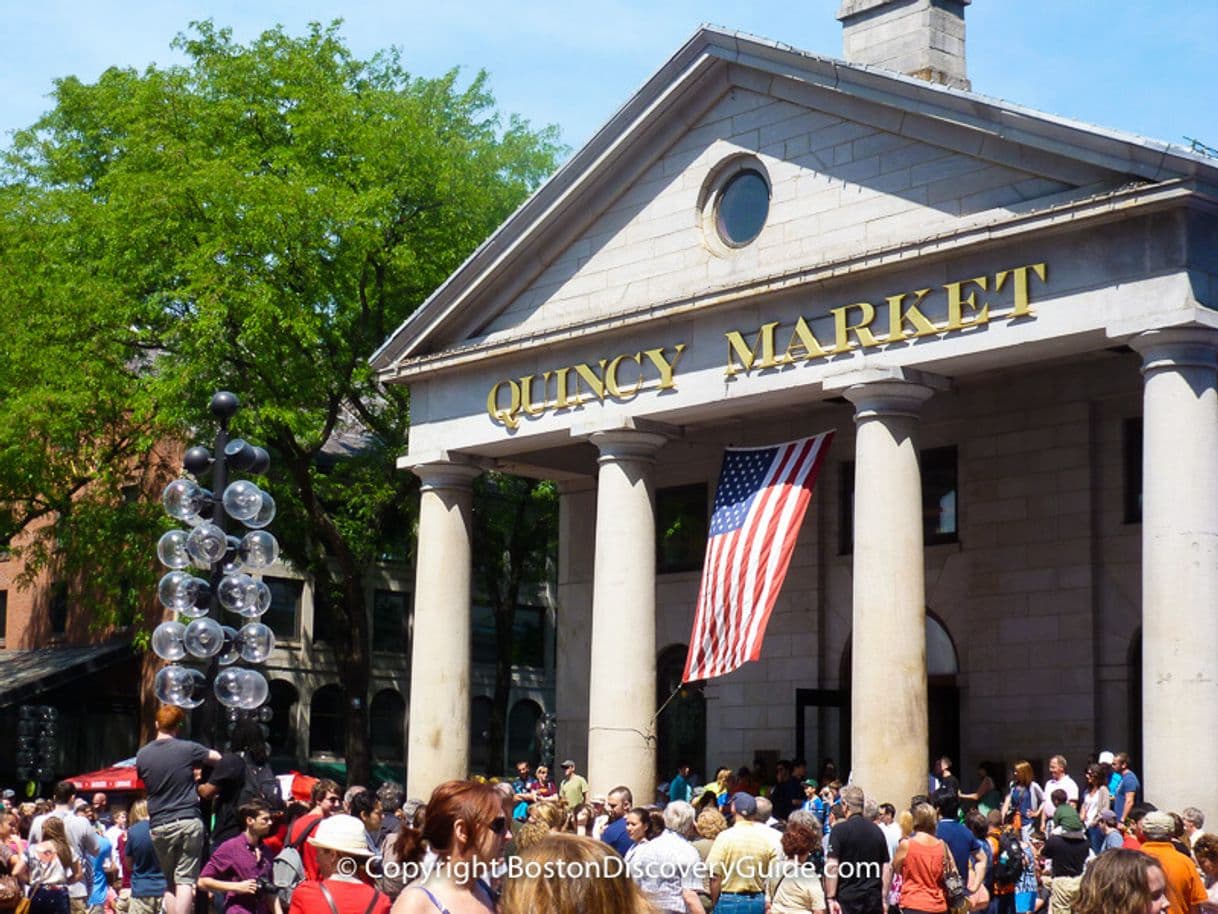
{"x": 329, "y": 898}
{"x": 376, "y": 896}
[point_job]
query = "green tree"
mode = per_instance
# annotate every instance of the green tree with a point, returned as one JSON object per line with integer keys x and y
{"x": 259, "y": 219}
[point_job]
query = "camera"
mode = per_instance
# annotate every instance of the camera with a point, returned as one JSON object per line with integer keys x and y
{"x": 266, "y": 887}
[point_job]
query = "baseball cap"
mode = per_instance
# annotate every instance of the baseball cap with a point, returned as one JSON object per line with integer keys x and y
{"x": 811, "y": 782}
{"x": 1159, "y": 824}
{"x": 1107, "y": 815}
{"x": 1106, "y": 758}
{"x": 568, "y": 764}
{"x": 744, "y": 803}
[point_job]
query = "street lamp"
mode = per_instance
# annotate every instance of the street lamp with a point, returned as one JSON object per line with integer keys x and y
{"x": 196, "y": 634}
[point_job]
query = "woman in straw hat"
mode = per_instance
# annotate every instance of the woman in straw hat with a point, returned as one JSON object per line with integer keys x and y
{"x": 342, "y": 852}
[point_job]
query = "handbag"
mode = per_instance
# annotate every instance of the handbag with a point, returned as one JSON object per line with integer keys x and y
{"x": 953, "y": 885}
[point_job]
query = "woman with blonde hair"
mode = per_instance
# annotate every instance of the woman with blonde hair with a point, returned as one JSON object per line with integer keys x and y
{"x": 548, "y": 814}
{"x": 53, "y": 865}
{"x": 921, "y": 862}
{"x": 571, "y": 874}
{"x": 1121, "y": 881}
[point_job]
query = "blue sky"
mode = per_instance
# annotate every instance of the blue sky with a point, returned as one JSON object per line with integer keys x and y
{"x": 1141, "y": 66}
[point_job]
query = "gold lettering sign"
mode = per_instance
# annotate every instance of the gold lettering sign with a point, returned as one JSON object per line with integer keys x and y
{"x": 902, "y": 316}
{"x": 967, "y": 303}
{"x": 620, "y": 378}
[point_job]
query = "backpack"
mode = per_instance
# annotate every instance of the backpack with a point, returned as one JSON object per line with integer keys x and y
{"x": 287, "y": 869}
{"x": 1008, "y": 865}
{"x": 261, "y": 784}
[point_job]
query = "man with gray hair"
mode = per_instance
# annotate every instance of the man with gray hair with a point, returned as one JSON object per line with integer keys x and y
{"x": 391, "y": 794}
{"x": 857, "y": 868}
{"x": 667, "y": 867}
{"x": 765, "y": 816}
{"x": 1194, "y": 820}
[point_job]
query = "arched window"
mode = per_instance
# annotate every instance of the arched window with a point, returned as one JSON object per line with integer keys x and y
{"x": 388, "y": 720}
{"x": 522, "y": 732}
{"x": 326, "y": 722}
{"x": 282, "y": 726}
{"x": 480, "y": 734}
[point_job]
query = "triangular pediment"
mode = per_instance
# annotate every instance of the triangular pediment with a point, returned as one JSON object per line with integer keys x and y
{"x": 859, "y": 162}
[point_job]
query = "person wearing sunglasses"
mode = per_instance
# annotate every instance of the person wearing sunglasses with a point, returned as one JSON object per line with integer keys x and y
{"x": 463, "y": 835}
{"x": 1121, "y": 881}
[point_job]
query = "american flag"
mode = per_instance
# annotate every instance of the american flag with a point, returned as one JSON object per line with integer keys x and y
{"x": 759, "y": 506}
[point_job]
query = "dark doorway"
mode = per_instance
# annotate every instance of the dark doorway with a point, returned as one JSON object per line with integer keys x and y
{"x": 681, "y": 726}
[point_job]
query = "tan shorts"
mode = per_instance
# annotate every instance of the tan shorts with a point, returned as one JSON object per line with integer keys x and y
{"x": 145, "y": 905}
{"x": 179, "y": 848}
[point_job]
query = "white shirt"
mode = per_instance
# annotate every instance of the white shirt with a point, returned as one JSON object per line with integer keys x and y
{"x": 1065, "y": 783}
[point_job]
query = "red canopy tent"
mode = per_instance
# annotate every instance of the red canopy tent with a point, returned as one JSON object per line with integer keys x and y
{"x": 116, "y": 777}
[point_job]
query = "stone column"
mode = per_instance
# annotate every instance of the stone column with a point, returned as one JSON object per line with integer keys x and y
{"x": 622, "y": 680}
{"x": 1179, "y": 567}
{"x": 438, "y": 742}
{"x": 888, "y": 692}
{"x": 576, "y": 542}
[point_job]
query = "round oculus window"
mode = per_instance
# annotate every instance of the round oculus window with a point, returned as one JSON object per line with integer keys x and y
{"x": 742, "y": 208}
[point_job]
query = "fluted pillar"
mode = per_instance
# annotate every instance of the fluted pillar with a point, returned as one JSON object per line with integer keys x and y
{"x": 438, "y": 744}
{"x": 1179, "y": 567}
{"x": 889, "y": 749}
{"x": 622, "y": 681}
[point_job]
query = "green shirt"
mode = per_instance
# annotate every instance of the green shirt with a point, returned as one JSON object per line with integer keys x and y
{"x": 573, "y": 790}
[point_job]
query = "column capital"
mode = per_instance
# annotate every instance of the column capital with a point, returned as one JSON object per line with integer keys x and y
{"x": 1177, "y": 347}
{"x": 446, "y": 475}
{"x": 888, "y": 398}
{"x": 627, "y": 444}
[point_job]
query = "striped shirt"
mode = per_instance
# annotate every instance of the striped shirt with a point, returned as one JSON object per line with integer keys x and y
{"x": 742, "y": 856}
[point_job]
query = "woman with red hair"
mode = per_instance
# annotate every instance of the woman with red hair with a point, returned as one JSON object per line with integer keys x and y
{"x": 447, "y": 863}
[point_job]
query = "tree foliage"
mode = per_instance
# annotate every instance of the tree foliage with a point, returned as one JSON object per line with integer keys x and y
{"x": 258, "y": 219}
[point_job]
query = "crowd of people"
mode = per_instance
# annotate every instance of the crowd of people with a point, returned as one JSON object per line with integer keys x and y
{"x": 214, "y": 832}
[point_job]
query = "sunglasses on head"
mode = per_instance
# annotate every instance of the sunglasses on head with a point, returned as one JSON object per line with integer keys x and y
{"x": 499, "y": 825}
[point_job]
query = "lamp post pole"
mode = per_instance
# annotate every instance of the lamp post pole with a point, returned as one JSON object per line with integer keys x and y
{"x": 229, "y": 585}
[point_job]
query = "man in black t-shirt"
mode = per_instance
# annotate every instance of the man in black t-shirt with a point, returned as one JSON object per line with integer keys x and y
{"x": 166, "y": 766}
{"x": 227, "y": 780}
{"x": 857, "y": 868}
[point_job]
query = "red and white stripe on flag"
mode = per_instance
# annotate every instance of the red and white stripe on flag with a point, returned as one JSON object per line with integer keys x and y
{"x": 760, "y": 503}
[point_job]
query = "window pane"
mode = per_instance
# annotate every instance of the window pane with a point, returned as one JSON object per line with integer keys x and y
{"x": 528, "y": 636}
{"x": 388, "y": 722}
{"x": 326, "y": 722}
{"x": 59, "y": 608}
{"x": 940, "y": 519}
{"x": 390, "y": 621}
{"x": 939, "y": 495}
{"x": 681, "y": 528}
{"x": 284, "y": 615}
{"x": 845, "y": 509}
{"x": 1133, "y": 470}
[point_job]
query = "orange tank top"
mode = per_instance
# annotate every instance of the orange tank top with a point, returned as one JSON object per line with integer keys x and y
{"x": 922, "y": 877}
